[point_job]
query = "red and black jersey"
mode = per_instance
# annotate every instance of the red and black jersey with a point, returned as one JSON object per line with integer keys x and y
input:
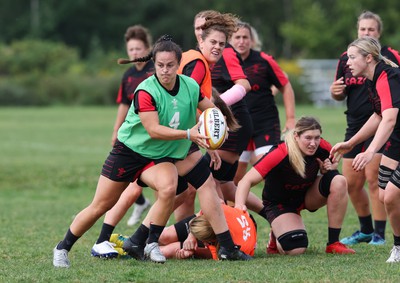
{"x": 359, "y": 109}
{"x": 130, "y": 80}
{"x": 282, "y": 184}
{"x": 227, "y": 70}
{"x": 223, "y": 74}
{"x": 385, "y": 87}
{"x": 263, "y": 71}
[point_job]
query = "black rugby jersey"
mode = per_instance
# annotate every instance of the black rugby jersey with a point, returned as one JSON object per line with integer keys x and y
{"x": 130, "y": 80}
{"x": 282, "y": 184}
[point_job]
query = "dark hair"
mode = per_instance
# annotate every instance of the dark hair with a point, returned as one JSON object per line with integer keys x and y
{"x": 231, "y": 121}
{"x": 225, "y": 23}
{"x": 164, "y": 43}
{"x": 138, "y": 32}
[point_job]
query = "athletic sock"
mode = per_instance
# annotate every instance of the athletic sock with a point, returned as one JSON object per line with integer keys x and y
{"x": 396, "y": 240}
{"x": 380, "y": 227}
{"x": 68, "y": 242}
{"x": 140, "y": 200}
{"x": 105, "y": 234}
{"x": 366, "y": 224}
{"x": 333, "y": 235}
{"x": 225, "y": 240}
{"x": 155, "y": 232}
{"x": 140, "y": 236}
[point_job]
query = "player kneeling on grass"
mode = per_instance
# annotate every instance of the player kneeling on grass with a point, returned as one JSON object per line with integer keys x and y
{"x": 193, "y": 237}
{"x": 292, "y": 183}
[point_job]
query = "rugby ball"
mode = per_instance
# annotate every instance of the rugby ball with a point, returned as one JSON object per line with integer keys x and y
{"x": 214, "y": 126}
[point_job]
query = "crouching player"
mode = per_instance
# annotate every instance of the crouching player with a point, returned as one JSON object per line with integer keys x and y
{"x": 292, "y": 183}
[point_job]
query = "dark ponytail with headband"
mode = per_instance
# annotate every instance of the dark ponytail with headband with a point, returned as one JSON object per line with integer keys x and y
{"x": 164, "y": 43}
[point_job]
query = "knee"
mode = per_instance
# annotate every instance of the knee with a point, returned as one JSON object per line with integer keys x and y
{"x": 167, "y": 191}
{"x": 190, "y": 194}
{"x": 390, "y": 202}
{"x": 381, "y": 196}
{"x": 339, "y": 185}
{"x": 98, "y": 209}
{"x": 297, "y": 251}
{"x": 293, "y": 242}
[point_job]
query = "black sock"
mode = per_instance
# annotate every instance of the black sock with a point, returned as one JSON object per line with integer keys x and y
{"x": 155, "y": 232}
{"x": 333, "y": 235}
{"x": 105, "y": 233}
{"x": 225, "y": 240}
{"x": 366, "y": 224}
{"x": 140, "y": 200}
{"x": 380, "y": 226}
{"x": 68, "y": 242}
{"x": 396, "y": 240}
{"x": 140, "y": 236}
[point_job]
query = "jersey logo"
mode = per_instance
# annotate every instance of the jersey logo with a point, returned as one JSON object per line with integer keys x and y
{"x": 174, "y": 103}
{"x": 121, "y": 172}
{"x": 245, "y": 225}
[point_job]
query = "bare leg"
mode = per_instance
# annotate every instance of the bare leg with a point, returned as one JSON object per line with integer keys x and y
{"x": 285, "y": 223}
{"x": 392, "y": 205}
{"x": 107, "y": 194}
{"x": 371, "y": 172}
{"x": 357, "y": 193}
{"x": 187, "y": 207}
{"x": 126, "y": 200}
{"x": 162, "y": 177}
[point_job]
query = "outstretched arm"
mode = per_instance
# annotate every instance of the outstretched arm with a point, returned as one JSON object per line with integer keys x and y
{"x": 385, "y": 129}
{"x": 252, "y": 178}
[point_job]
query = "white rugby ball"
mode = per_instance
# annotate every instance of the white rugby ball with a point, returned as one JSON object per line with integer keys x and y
{"x": 213, "y": 125}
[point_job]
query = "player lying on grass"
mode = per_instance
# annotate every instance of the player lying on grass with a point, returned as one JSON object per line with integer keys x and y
{"x": 194, "y": 237}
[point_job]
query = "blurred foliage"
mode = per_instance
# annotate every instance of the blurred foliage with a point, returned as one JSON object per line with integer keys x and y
{"x": 37, "y": 72}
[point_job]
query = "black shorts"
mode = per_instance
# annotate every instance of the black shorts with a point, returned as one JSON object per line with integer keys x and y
{"x": 125, "y": 165}
{"x": 273, "y": 210}
{"x": 237, "y": 141}
{"x": 267, "y": 136}
{"x": 193, "y": 148}
{"x": 391, "y": 148}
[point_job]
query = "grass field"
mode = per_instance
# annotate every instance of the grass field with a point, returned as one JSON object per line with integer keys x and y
{"x": 49, "y": 165}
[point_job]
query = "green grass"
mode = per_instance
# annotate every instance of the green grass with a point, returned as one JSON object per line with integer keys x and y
{"x": 49, "y": 165}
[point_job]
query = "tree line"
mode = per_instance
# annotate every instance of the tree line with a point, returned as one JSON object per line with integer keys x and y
{"x": 64, "y": 52}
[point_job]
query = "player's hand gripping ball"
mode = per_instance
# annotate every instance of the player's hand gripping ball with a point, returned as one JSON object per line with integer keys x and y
{"x": 213, "y": 125}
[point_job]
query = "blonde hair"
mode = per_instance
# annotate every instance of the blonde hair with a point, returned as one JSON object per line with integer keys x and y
{"x": 368, "y": 15}
{"x": 369, "y": 45}
{"x": 257, "y": 44}
{"x": 201, "y": 228}
{"x": 296, "y": 158}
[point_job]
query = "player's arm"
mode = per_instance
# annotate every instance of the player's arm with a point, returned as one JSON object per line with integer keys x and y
{"x": 289, "y": 104}
{"x": 252, "y": 178}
